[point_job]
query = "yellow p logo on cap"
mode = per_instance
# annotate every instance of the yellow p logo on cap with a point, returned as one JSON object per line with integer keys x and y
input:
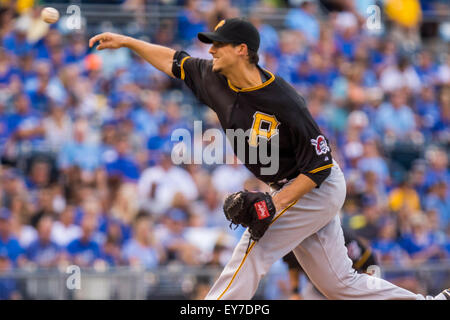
{"x": 221, "y": 23}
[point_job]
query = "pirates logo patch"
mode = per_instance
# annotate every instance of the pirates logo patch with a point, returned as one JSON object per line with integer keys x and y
{"x": 320, "y": 145}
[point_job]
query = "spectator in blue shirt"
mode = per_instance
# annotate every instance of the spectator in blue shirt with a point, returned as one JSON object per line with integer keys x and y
{"x": 77, "y": 50}
{"x": 347, "y": 38}
{"x": 25, "y": 67}
{"x": 142, "y": 73}
{"x": 8, "y": 286}
{"x": 9, "y": 74}
{"x": 174, "y": 116}
{"x": 117, "y": 233}
{"x": 141, "y": 250}
{"x": 175, "y": 242}
{"x": 16, "y": 42}
{"x": 437, "y": 169}
{"x": 4, "y": 131}
{"x": 439, "y": 199}
{"x": 383, "y": 55}
{"x": 317, "y": 70}
{"x": 389, "y": 252}
{"x": 269, "y": 39}
{"x": 8, "y": 243}
{"x": 44, "y": 47}
{"x": 291, "y": 55}
{"x": 43, "y": 252}
{"x": 80, "y": 152}
{"x": 24, "y": 123}
{"x": 39, "y": 175}
{"x": 28, "y": 134}
{"x": 123, "y": 166}
{"x": 426, "y": 69}
{"x": 190, "y": 21}
{"x": 421, "y": 244}
{"x": 386, "y": 246}
{"x": 428, "y": 111}
{"x": 38, "y": 88}
{"x": 115, "y": 229}
{"x": 84, "y": 251}
{"x": 417, "y": 178}
{"x": 303, "y": 19}
{"x": 373, "y": 161}
{"x": 395, "y": 118}
{"x": 148, "y": 118}
{"x": 157, "y": 142}
{"x": 112, "y": 252}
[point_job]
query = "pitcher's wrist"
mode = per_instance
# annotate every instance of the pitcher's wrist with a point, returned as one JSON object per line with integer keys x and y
{"x": 125, "y": 42}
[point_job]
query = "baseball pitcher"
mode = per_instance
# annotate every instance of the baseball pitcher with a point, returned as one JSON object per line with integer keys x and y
{"x": 308, "y": 189}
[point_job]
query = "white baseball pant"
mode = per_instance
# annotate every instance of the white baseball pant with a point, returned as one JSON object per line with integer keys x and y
{"x": 311, "y": 228}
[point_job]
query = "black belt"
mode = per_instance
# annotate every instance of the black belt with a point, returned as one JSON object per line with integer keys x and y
{"x": 277, "y": 185}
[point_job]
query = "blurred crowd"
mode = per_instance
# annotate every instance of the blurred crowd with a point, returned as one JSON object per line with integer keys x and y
{"x": 86, "y": 175}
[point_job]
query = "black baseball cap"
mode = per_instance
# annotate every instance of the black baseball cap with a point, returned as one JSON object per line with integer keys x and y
{"x": 234, "y": 30}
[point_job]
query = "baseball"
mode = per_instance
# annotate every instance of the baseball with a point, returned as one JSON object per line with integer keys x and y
{"x": 50, "y": 15}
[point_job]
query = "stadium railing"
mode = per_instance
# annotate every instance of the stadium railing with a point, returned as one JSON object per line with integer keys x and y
{"x": 168, "y": 282}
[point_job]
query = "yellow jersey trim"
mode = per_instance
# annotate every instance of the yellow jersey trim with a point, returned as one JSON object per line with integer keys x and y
{"x": 183, "y": 75}
{"x": 250, "y": 249}
{"x": 262, "y": 85}
{"x": 363, "y": 259}
{"x": 321, "y": 168}
{"x": 239, "y": 268}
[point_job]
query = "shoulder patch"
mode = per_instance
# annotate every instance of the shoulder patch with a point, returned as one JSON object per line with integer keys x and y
{"x": 320, "y": 145}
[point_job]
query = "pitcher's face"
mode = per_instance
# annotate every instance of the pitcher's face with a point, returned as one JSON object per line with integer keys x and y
{"x": 224, "y": 56}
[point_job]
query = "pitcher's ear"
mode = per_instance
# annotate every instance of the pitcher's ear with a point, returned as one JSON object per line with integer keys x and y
{"x": 243, "y": 49}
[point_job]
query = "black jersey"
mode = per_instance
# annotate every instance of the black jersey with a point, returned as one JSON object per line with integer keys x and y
{"x": 272, "y": 112}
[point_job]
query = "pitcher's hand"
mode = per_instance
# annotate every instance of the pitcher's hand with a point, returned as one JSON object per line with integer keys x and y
{"x": 108, "y": 40}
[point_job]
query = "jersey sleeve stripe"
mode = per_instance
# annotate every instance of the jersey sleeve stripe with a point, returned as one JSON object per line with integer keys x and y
{"x": 181, "y": 67}
{"x": 321, "y": 168}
